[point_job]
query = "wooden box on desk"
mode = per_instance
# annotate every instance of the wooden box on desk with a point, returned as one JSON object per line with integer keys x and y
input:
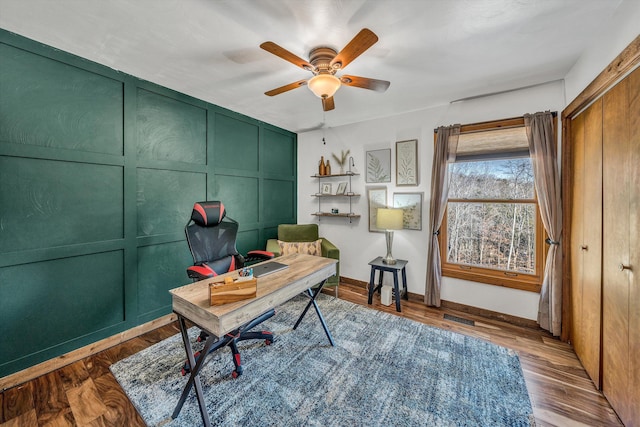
{"x": 230, "y": 291}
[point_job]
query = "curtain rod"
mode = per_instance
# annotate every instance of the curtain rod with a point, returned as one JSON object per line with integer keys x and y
{"x": 553, "y": 113}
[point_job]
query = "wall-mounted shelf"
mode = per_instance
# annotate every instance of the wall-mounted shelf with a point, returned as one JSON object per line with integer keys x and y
{"x": 337, "y": 174}
{"x": 348, "y": 194}
{"x": 344, "y": 215}
{"x": 335, "y": 195}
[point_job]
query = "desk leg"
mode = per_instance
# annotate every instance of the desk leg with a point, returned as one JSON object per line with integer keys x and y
{"x": 313, "y": 295}
{"x": 193, "y": 377}
{"x": 372, "y": 286}
{"x": 396, "y": 288}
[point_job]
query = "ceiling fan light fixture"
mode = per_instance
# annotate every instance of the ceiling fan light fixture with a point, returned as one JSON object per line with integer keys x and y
{"x": 323, "y": 63}
{"x": 324, "y": 85}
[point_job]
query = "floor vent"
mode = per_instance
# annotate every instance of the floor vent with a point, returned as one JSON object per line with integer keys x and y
{"x": 460, "y": 320}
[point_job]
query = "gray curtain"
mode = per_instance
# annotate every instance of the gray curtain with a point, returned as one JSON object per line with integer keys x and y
{"x": 444, "y": 153}
{"x": 542, "y": 147}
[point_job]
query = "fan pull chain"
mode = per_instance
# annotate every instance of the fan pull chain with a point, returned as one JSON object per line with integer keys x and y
{"x": 324, "y": 122}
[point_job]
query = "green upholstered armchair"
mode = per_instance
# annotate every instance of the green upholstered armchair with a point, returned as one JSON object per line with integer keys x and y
{"x": 307, "y": 233}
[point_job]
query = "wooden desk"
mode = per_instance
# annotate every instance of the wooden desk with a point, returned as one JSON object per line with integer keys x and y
{"x": 191, "y": 302}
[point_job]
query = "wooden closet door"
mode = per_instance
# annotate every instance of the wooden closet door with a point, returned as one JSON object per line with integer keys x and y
{"x": 586, "y": 238}
{"x": 592, "y": 245}
{"x": 577, "y": 236}
{"x": 634, "y": 246}
{"x": 617, "y": 311}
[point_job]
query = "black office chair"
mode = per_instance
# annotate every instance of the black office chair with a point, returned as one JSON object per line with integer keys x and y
{"x": 211, "y": 236}
{"x": 212, "y": 240}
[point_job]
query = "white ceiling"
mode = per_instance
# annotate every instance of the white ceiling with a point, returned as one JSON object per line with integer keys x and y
{"x": 432, "y": 51}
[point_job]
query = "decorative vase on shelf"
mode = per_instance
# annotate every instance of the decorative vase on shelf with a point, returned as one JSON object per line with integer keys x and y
{"x": 321, "y": 168}
{"x": 327, "y": 168}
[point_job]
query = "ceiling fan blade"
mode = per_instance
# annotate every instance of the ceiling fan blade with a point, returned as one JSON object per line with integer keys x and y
{"x": 283, "y": 53}
{"x": 365, "y": 83}
{"x": 286, "y": 88}
{"x": 328, "y": 104}
{"x": 361, "y": 42}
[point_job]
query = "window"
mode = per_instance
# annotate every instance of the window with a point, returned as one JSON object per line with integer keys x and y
{"x": 492, "y": 231}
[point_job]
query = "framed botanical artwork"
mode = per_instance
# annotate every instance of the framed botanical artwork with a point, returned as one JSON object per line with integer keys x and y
{"x": 342, "y": 186}
{"x": 411, "y": 205}
{"x": 407, "y": 162}
{"x": 378, "y": 165}
{"x": 326, "y": 188}
{"x": 377, "y": 199}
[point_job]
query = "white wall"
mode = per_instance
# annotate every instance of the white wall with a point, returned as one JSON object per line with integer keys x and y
{"x": 357, "y": 245}
{"x": 616, "y": 34}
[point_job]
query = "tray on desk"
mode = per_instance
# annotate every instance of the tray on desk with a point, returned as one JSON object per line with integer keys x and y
{"x": 226, "y": 292}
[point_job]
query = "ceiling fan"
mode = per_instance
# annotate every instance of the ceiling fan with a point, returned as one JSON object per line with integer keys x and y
{"x": 324, "y": 62}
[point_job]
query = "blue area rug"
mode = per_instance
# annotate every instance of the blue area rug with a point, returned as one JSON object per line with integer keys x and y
{"x": 384, "y": 371}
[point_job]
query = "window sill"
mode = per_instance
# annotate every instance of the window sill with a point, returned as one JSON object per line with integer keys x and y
{"x": 524, "y": 282}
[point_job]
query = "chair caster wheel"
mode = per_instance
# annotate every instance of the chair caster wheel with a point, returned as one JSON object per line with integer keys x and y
{"x": 186, "y": 368}
{"x": 237, "y": 372}
{"x": 269, "y": 340}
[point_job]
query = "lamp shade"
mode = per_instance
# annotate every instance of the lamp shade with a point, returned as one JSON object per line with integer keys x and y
{"x": 324, "y": 85}
{"x": 389, "y": 219}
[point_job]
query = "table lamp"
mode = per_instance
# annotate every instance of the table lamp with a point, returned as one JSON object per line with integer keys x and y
{"x": 389, "y": 220}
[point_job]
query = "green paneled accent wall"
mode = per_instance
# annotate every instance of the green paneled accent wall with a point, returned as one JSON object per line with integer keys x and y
{"x": 45, "y": 304}
{"x": 164, "y": 199}
{"x": 99, "y": 171}
{"x": 50, "y": 103}
{"x": 169, "y": 129}
{"x": 245, "y": 203}
{"x": 236, "y": 139}
{"x": 280, "y": 158}
{"x": 160, "y": 267}
{"x": 48, "y": 203}
{"x": 279, "y": 192}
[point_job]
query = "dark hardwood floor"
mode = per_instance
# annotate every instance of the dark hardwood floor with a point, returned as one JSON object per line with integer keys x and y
{"x": 86, "y": 394}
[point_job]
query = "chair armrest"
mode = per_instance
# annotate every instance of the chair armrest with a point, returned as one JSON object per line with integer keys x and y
{"x": 257, "y": 255}
{"x": 329, "y": 250}
{"x": 273, "y": 247}
{"x": 200, "y": 272}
